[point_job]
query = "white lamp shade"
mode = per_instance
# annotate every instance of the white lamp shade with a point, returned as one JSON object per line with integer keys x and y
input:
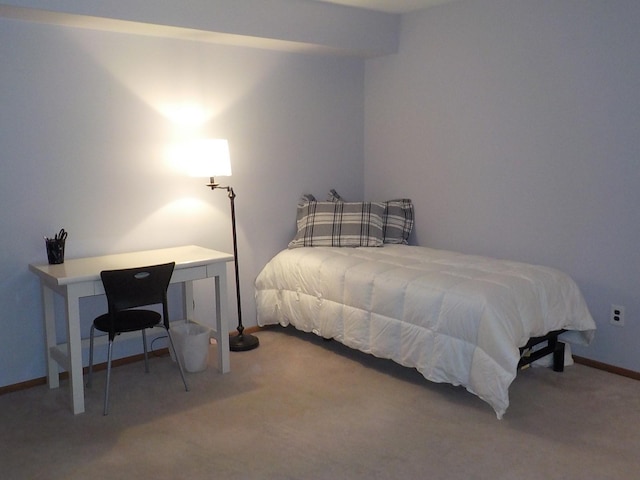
{"x": 208, "y": 158}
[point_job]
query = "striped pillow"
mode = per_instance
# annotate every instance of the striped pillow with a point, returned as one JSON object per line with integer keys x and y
{"x": 397, "y": 220}
{"x": 339, "y": 224}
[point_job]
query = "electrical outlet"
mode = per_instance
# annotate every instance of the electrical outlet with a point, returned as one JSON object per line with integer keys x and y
{"x": 617, "y": 315}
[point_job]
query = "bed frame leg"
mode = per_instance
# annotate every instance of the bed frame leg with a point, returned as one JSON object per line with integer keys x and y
{"x": 558, "y": 356}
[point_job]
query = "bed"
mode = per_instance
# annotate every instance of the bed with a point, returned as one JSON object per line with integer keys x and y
{"x": 459, "y": 319}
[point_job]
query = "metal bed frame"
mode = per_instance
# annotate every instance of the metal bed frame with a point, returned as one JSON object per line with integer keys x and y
{"x": 554, "y": 346}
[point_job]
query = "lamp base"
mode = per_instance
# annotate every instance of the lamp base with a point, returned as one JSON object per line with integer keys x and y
{"x": 243, "y": 342}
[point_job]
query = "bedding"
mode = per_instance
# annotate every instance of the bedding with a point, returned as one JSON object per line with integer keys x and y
{"x": 456, "y": 318}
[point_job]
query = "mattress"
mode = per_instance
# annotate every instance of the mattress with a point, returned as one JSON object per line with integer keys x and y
{"x": 456, "y": 318}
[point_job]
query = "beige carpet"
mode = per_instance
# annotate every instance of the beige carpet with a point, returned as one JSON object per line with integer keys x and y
{"x": 302, "y": 408}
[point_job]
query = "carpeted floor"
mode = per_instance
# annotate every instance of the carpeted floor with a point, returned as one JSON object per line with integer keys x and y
{"x": 299, "y": 407}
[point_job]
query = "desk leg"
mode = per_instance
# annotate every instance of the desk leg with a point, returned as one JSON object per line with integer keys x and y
{"x": 53, "y": 377}
{"x": 187, "y": 291}
{"x": 74, "y": 351}
{"x": 222, "y": 324}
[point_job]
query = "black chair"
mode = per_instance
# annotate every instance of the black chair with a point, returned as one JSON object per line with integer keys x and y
{"x": 127, "y": 290}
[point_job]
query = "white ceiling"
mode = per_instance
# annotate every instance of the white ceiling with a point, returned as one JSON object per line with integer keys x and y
{"x": 389, "y": 6}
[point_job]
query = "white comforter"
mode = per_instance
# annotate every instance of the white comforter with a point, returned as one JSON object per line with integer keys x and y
{"x": 456, "y": 318}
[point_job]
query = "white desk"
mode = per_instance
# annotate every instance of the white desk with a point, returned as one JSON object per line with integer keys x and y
{"x": 80, "y": 277}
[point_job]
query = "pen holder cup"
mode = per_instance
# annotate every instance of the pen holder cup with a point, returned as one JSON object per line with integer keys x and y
{"x": 55, "y": 250}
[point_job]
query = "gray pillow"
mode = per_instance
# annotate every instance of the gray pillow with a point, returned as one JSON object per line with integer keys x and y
{"x": 307, "y": 197}
{"x": 334, "y": 196}
{"x": 397, "y": 220}
{"x": 339, "y": 224}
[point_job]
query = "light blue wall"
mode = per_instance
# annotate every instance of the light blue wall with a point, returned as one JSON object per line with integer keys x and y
{"x": 85, "y": 136}
{"x": 515, "y": 128}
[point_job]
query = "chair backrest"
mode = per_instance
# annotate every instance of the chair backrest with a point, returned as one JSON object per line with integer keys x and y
{"x": 137, "y": 287}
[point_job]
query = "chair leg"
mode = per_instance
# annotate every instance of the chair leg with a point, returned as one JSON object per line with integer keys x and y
{"x": 146, "y": 356}
{"x": 90, "y": 375}
{"x": 175, "y": 354}
{"x": 106, "y": 388}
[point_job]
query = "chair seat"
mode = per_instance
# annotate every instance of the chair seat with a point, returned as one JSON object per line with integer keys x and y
{"x": 128, "y": 321}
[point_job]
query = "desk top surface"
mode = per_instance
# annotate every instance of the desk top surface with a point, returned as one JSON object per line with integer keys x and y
{"x": 77, "y": 270}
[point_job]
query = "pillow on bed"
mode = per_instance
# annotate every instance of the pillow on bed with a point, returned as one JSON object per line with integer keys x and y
{"x": 334, "y": 196}
{"x": 339, "y": 224}
{"x": 397, "y": 220}
{"x": 307, "y": 197}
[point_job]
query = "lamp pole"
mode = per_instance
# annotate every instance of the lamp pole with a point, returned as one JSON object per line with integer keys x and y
{"x": 241, "y": 342}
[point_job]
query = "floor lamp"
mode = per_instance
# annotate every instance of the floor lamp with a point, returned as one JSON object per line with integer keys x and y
{"x": 213, "y": 158}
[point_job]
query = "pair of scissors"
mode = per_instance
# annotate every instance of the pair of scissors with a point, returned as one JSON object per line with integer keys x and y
{"x": 61, "y": 235}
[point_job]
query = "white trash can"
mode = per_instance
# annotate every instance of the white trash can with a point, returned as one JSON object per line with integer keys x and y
{"x": 192, "y": 345}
